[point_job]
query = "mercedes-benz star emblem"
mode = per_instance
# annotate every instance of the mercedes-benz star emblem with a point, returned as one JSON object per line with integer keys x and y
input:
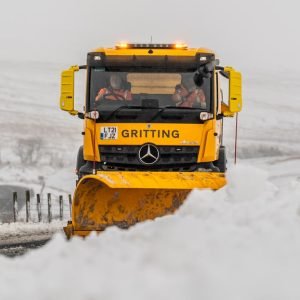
{"x": 148, "y": 154}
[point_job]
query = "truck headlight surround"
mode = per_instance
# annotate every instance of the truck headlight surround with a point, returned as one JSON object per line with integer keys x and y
{"x": 204, "y": 116}
{"x": 94, "y": 114}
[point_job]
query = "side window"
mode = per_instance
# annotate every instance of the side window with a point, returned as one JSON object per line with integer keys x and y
{"x": 217, "y": 93}
{"x": 223, "y": 89}
{"x": 206, "y": 87}
{"x": 98, "y": 80}
{"x": 80, "y": 87}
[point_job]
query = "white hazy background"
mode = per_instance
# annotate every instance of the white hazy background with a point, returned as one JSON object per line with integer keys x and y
{"x": 248, "y": 34}
{"x": 241, "y": 242}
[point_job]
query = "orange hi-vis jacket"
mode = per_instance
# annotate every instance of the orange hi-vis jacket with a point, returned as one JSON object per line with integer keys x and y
{"x": 184, "y": 98}
{"x": 111, "y": 94}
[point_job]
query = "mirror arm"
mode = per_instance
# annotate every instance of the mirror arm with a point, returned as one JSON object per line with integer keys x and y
{"x": 222, "y": 71}
{"x": 220, "y": 68}
{"x": 74, "y": 68}
{"x": 73, "y": 112}
{"x": 225, "y": 74}
{"x": 80, "y": 115}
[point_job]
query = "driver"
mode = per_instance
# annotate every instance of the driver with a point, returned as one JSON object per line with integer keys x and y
{"x": 115, "y": 91}
{"x": 187, "y": 94}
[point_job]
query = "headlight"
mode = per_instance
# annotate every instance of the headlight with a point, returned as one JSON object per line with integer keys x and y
{"x": 204, "y": 116}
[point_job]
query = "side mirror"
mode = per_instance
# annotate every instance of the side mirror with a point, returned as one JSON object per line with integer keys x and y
{"x": 67, "y": 90}
{"x": 235, "y": 102}
{"x": 198, "y": 79}
{"x": 204, "y": 72}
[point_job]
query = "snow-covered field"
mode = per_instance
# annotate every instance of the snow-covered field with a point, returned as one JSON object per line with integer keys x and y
{"x": 241, "y": 242}
{"x": 30, "y": 115}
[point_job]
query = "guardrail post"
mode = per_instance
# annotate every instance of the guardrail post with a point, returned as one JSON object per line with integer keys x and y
{"x": 49, "y": 208}
{"x": 70, "y": 205}
{"x": 15, "y": 206}
{"x": 27, "y": 206}
{"x": 61, "y": 208}
{"x": 38, "y": 205}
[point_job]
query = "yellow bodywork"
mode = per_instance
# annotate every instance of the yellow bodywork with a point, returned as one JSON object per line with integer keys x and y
{"x": 207, "y": 136}
{"x": 125, "y": 198}
{"x": 156, "y": 52}
{"x": 67, "y": 90}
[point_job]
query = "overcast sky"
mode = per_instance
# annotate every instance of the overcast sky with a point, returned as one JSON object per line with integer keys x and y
{"x": 243, "y": 33}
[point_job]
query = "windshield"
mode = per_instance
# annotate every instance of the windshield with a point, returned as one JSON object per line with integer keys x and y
{"x": 116, "y": 91}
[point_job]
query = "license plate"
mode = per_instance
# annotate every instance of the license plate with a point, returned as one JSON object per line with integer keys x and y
{"x": 109, "y": 133}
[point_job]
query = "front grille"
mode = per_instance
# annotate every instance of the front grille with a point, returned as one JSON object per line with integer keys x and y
{"x": 171, "y": 157}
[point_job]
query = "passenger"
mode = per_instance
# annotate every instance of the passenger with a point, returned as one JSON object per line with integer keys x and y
{"x": 115, "y": 91}
{"x": 187, "y": 94}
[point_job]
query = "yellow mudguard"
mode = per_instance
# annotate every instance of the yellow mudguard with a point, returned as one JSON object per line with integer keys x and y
{"x": 125, "y": 198}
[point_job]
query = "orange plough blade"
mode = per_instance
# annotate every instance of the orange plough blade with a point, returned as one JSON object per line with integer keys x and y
{"x": 125, "y": 198}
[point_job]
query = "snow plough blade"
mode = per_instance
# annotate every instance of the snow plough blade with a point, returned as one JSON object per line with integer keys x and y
{"x": 125, "y": 198}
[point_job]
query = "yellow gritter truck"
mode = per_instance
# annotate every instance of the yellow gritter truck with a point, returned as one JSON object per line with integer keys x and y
{"x": 153, "y": 128}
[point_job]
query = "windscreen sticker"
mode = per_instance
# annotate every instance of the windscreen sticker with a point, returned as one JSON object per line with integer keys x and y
{"x": 109, "y": 133}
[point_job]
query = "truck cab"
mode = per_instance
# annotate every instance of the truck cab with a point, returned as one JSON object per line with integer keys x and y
{"x": 170, "y": 118}
{"x": 153, "y": 128}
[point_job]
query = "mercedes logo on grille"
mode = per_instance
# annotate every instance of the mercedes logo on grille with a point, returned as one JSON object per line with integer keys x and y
{"x": 148, "y": 154}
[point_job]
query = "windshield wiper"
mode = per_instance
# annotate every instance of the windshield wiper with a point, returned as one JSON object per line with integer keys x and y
{"x": 114, "y": 111}
{"x": 121, "y": 108}
{"x": 161, "y": 110}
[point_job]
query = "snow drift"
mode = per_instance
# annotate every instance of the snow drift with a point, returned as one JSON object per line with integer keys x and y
{"x": 241, "y": 242}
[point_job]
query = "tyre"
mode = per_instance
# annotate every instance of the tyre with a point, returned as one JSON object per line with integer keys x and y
{"x": 222, "y": 161}
{"x": 80, "y": 161}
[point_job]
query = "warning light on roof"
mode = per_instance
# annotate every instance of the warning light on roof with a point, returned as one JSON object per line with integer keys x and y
{"x": 122, "y": 45}
{"x": 180, "y": 45}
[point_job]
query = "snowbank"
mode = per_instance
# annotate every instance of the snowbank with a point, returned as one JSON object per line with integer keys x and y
{"x": 19, "y": 229}
{"x": 241, "y": 242}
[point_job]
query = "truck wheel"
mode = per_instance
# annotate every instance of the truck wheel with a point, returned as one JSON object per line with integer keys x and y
{"x": 80, "y": 161}
{"x": 222, "y": 161}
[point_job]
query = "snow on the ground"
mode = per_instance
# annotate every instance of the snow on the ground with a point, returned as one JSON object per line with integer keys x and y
{"x": 25, "y": 232}
{"x": 241, "y": 242}
{"x": 269, "y": 122}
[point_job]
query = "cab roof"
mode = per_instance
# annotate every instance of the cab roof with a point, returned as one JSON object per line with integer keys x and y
{"x": 153, "y": 49}
{"x": 141, "y": 56}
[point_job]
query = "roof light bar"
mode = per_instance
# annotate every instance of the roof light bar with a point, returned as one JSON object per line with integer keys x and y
{"x": 151, "y": 46}
{"x": 122, "y": 45}
{"x": 180, "y": 45}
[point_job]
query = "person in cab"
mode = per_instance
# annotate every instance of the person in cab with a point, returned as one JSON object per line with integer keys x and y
{"x": 115, "y": 90}
{"x": 187, "y": 94}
